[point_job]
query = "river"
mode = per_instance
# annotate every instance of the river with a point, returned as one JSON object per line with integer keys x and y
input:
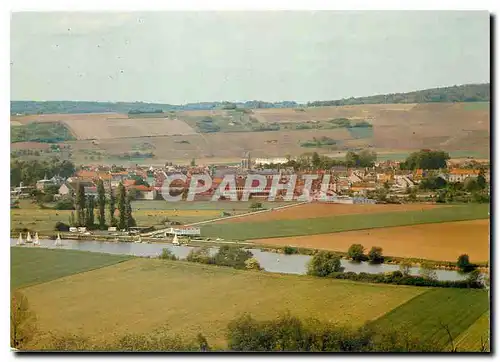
{"x": 271, "y": 262}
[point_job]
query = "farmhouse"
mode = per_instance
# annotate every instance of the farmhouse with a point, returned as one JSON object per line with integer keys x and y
{"x": 461, "y": 174}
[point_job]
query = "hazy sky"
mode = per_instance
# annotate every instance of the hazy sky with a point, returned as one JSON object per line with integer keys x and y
{"x": 184, "y": 57}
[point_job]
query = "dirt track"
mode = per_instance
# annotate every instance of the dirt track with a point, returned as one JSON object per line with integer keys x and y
{"x": 443, "y": 241}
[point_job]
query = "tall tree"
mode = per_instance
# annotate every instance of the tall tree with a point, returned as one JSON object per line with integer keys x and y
{"x": 112, "y": 208}
{"x": 89, "y": 216}
{"x": 80, "y": 205}
{"x": 316, "y": 161}
{"x": 101, "y": 202}
{"x": 121, "y": 202}
{"x": 129, "y": 219}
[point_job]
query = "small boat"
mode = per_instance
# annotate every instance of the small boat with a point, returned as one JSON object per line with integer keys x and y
{"x": 20, "y": 241}
{"x": 176, "y": 240}
{"x": 28, "y": 238}
{"x": 36, "y": 241}
{"x": 58, "y": 240}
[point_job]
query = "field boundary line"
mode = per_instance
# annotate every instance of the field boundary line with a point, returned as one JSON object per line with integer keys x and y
{"x": 227, "y": 217}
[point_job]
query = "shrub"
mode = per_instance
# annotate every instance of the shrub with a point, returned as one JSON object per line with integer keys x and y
{"x": 232, "y": 256}
{"x": 253, "y": 264}
{"x": 356, "y": 252}
{"x": 375, "y": 255}
{"x": 167, "y": 254}
{"x": 60, "y": 226}
{"x": 200, "y": 255}
{"x": 290, "y": 250}
{"x": 324, "y": 263}
{"x": 427, "y": 272}
{"x": 256, "y": 205}
{"x": 464, "y": 264}
{"x": 22, "y": 321}
{"x": 64, "y": 204}
{"x": 405, "y": 266}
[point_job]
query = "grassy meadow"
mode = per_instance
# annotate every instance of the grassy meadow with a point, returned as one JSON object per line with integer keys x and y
{"x": 146, "y": 213}
{"x": 32, "y": 265}
{"x": 425, "y": 315}
{"x": 323, "y": 225}
{"x": 471, "y": 339}
{"x": 141, "y": 295}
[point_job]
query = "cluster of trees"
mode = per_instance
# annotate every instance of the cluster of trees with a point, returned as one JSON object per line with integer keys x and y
{"x": 426, "y": 160}
{"x": 319, "y": 142}
{"x": 134, "y": 155}
{"x": 356, "y": 252}
{"x": 145, "y": 110}
{"x": 85, "y": 205}
{"x": 463, "y": 93}
{"x": 314, "y": 161}
{"x": 207, "y": 125}
{"x": 328, "y": 264}
{"x": 471, "y": 190}
{"x": 29, "y": 172}
{"x": 226, "y": 256}
{"x": 346, "y": 123}
{"x": 46, "y": 132}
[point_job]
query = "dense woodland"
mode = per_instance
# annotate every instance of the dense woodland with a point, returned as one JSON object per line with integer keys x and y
{"x": 462, "y": 93}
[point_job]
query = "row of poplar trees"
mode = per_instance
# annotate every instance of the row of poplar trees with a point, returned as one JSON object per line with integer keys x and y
{"x": 85, "y": 205}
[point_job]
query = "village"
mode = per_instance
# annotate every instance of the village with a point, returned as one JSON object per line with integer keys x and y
{"x": 383, "y": 182}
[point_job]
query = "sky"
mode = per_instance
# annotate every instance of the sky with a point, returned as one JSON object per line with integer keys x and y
{"x": 181, "y": 57}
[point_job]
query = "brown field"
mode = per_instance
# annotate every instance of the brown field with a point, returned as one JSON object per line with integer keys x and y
{"x": 313, "y": 210}
{"x": 408, "y": 127}
{"x": 111, "y": 125}
{"x": 217, "y": 145}
{"x": 29, "y": 146}
{"x": 56, "y": 117}
{"x": 443, "y": 241}
{"x": 125, "y": 128}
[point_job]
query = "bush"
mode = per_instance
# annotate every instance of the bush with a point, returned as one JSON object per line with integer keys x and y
{"x": 200, "y": 255}
{"x": 356, "y": 252}
{"x": 60, "y": 226}
{"x": 253, "y": 264}
{"x": 64, "y": 204}
{"x": 232, "y": 256}
{"x": 323, "y": 264}
{"x": 289, "y": 250}
{"x": 256, "y": 205}
{"x": 167, "y": 254}
{"x": 375, "y": 255}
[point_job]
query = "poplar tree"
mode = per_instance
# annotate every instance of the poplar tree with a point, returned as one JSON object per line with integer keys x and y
{"x": 101, "y": 201}
{"x": 121, "y": 202}
{"x": 112, "y": 208}
{"x": 80, "y": 205}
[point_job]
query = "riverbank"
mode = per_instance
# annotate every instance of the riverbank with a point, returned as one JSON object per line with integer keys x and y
{"x": 278, "y": 249}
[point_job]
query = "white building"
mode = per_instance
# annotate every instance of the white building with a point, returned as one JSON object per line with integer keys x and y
{"x": 268, "y": 161}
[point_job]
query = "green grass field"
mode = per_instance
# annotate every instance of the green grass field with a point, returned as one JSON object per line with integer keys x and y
{"x": 470, "y": 340}
{"x": 30, "y": 266}
{"x": 424, "y": 315}
{"x": 143, "y": 294}
{"x": 146, "y": 213}
{"x": 281, "y": 228}
{"x": 41, "y": 132}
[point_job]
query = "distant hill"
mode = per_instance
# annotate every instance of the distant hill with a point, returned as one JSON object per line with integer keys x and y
{"x": 462, "y": 93}
{"x": 50, "y": 107}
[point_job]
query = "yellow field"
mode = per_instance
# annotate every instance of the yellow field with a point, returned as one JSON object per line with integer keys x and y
{"x": 143, "y": 294}
{"x": 440, "y": 241}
